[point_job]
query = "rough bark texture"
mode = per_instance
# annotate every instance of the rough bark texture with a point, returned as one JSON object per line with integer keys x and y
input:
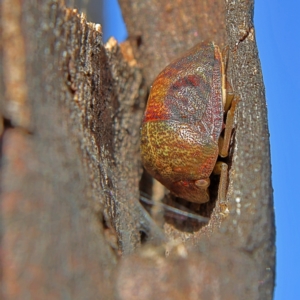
{"x": 161, "y": 30}
{"x": 70, "y": 165}
{"x": 53, "y": 244}
{"x": 70, "y": 154}
{"x": 247, "y": 229}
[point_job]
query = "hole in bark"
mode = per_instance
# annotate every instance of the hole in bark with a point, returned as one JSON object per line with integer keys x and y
{"x": 144, "y": 237}
{"x": 139, "y": 41}
{"x": 185, "y": 216}
{"x": 7, "y": 123}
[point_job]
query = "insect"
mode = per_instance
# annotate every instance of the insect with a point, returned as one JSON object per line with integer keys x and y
{"x": 183, "y": 130}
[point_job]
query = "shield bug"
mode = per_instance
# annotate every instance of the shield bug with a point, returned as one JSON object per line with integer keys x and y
{"x": 183, "y": 123}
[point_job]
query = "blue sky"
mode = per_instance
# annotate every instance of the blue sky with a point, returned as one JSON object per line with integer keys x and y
{"x": 277, "y": 31}
{"x": 277, "y": 25}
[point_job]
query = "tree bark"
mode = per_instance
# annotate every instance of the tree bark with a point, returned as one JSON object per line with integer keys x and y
{"x": 244, "y": 239}
{"x": 70, "y": 167}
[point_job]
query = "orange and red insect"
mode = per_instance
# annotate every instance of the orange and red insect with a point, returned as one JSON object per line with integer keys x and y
{"x": 183, "y": 121}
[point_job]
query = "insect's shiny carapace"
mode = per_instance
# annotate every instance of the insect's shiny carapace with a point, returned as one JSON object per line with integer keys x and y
{"x": 183, "y": 122}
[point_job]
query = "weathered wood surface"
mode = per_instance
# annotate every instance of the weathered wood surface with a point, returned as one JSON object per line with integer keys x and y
{"x": 159, "y": 32}
{"x": 70, "y": 165}
{"x": 70, "y": 154}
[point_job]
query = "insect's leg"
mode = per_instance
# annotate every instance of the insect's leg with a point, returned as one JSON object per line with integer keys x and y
{"x": 229, "y": 97}
{"x": 227, "y": 93}
{"x": 225, "y": 140}
{"x": 221, "y": 169}
{"x": 225, "y": 56}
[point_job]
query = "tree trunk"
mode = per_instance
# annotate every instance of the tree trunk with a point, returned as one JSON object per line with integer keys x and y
{"x": 70, "y": 166}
